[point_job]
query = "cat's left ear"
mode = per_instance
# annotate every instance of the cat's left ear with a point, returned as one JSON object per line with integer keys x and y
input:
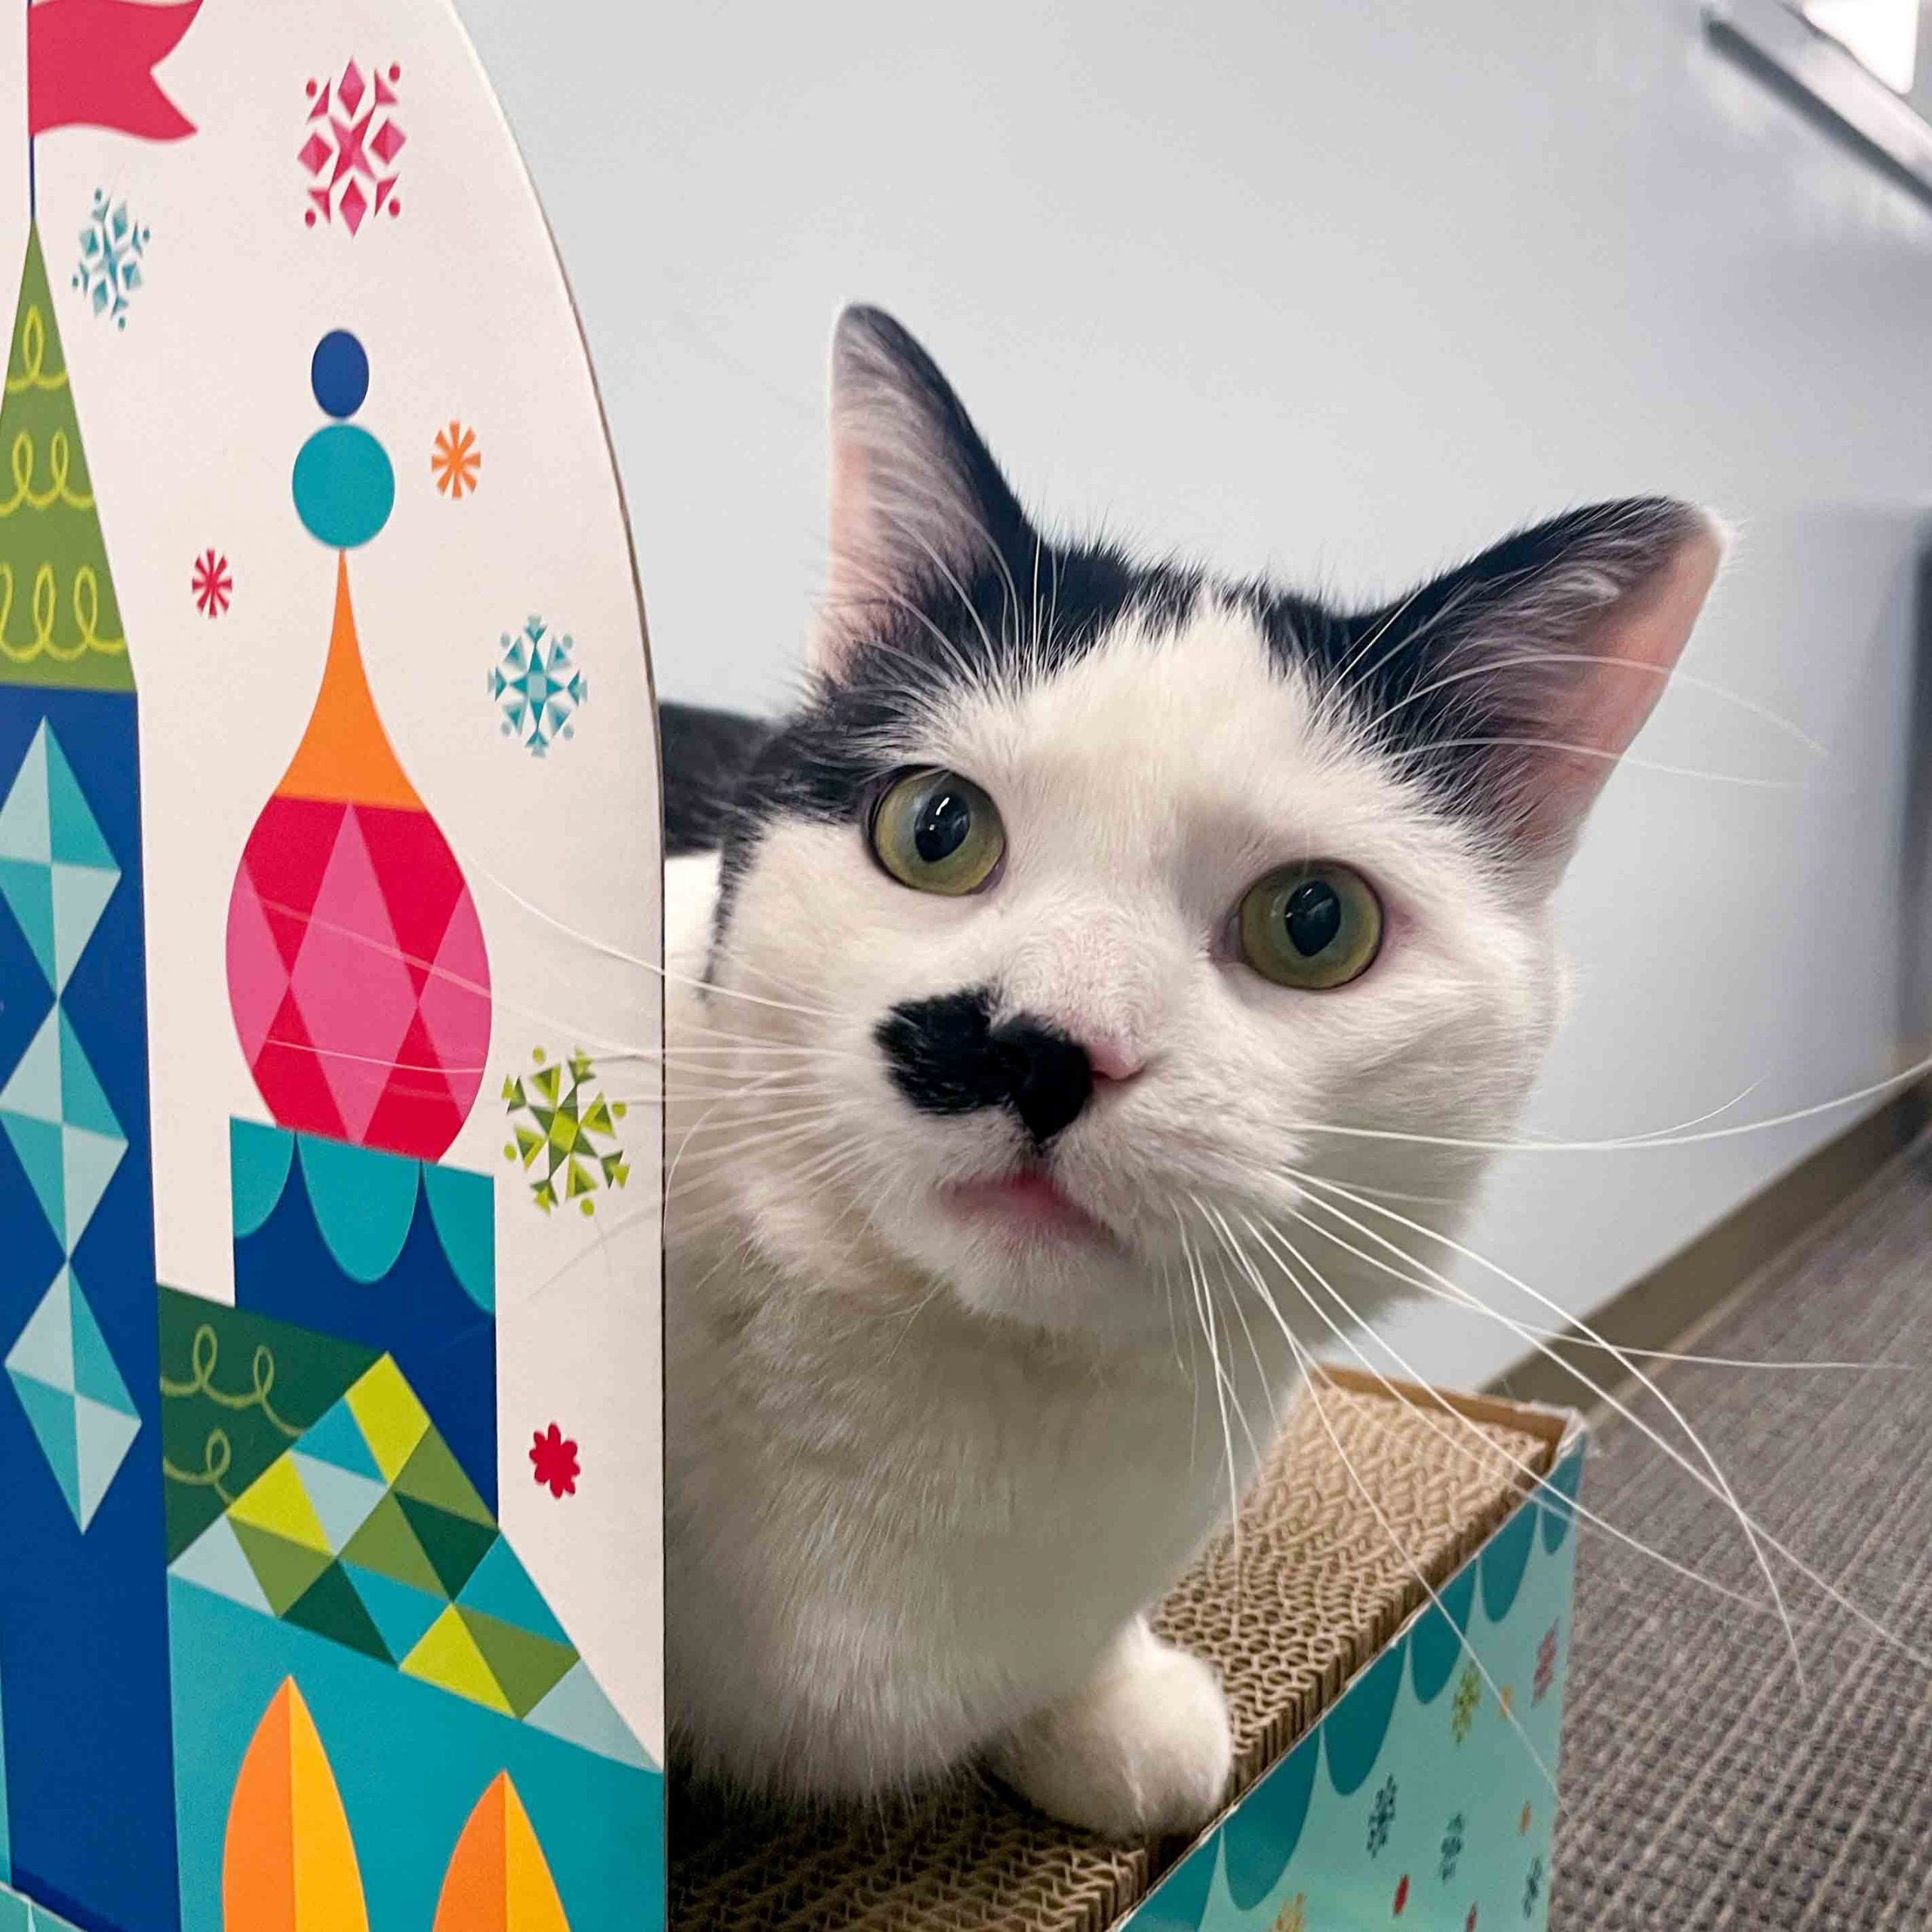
{"x": 918, "y": 506}
{"x": 1523, "y": 676}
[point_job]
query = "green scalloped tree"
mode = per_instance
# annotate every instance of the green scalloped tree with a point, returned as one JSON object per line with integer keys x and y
{"x": 60, "y": 620}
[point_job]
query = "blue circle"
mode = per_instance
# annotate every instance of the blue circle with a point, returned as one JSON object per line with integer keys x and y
{"x": 339, "y": 373}
{"x": 345, "y": 488}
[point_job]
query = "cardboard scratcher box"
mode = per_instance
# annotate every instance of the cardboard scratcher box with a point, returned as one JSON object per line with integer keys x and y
{"x": 330, "y": 941}
{"x": 1392, "y": 1638}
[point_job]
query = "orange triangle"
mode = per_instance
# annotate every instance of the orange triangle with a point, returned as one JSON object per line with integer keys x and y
{"x": 288, "y": 1863}
{"x": 345, "y": 755}
{"x": 499, "y": 1880}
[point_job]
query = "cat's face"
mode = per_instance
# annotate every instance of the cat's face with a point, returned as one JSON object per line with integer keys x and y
{"x": 1085, "y": 903}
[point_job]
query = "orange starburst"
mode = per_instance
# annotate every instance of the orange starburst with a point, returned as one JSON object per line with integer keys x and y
{"x": 456, "y": 460}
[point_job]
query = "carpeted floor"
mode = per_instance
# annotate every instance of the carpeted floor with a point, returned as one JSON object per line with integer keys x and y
{"x": 1703, "y": 1789}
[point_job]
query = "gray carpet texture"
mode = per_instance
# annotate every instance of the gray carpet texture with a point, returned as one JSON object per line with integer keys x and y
{"x": 1702, "y": 1787}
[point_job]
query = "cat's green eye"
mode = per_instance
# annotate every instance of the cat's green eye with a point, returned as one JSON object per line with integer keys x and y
{"x": 937, "y": 832}
{"x": 1314, "y": 926}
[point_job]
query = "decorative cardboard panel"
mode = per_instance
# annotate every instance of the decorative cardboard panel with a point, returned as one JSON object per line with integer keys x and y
{"x": 329, "y": 1004}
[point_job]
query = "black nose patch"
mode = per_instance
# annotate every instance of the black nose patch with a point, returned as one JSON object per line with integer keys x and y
{"x": 947, "y": 1056}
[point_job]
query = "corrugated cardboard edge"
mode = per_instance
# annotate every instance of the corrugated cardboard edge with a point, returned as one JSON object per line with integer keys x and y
{"x": 1565, "y": 1431}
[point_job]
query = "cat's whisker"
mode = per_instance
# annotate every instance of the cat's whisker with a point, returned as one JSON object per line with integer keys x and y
{"x": 1436, "y": 746}
{"x": 606, "y": 1229}
{"x": 463, "y": 983}
{"x": 1716, "y": 1483}
{"x": 671, "y": 1170}
{"x": 1311, "y": 1377}
{"x": 1204, "y": 1308}
{"x": 1267, "y": 1234}
{"x": 1918, "y": 1070}
{"x": 1659, "y": 672}
{"x": 1472, "y": 1304}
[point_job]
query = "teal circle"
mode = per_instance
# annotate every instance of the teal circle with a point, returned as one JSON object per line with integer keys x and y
{"x": 1436, "y": 1641}
{"x": 1180, "y": 1901}
{"x": 1504, "y": 1560}
{"x": 1263, "y": 1830}
{"x": 345, "y": 488}
{"x": 1354, "y": 1730}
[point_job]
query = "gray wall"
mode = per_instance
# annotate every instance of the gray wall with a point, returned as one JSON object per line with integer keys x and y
{"x": 1341, "y": 292}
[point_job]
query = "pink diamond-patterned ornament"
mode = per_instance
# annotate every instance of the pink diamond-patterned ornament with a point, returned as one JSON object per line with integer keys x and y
{"x": 350, "y": 152}
{"x": 357, "y": 974}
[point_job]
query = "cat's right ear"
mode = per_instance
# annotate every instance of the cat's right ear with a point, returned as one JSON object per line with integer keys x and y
{"x": 919, "y": 508}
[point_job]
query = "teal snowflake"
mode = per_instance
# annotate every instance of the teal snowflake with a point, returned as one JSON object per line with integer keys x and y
{"x": 537, "y": 686}
{"x": 1381, "y": 1819}
{"x": 111, "y": 246}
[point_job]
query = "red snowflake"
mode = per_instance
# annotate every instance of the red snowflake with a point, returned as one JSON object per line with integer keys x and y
{"x": 553, "y": 1456}
{"x": 1546, "y": 1675}
{"x": 213, "y": 586}
{"x": 354, "y": 137}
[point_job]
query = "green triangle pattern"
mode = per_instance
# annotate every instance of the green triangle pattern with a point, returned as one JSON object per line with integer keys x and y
{"x": 330, "y": 1607}
{"x": 387, "y": 1544}
{"x": 453, "y": 1545}
{"x": 432, "y": 1475}
{"x": 526, "y": 1668}
{"x": 75, "y": 639}
{"x": 400, "y": 1613}
{"x": 285, "y": 1570}
{"x": 423, "y": 1580}
{"x": 337, "y": 1440}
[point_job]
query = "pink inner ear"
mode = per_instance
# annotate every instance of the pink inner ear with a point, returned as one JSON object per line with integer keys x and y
{"x": 1642, "y": 634}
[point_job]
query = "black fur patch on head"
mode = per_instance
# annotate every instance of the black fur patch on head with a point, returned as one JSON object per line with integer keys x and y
{"x": 1448, "y": 684}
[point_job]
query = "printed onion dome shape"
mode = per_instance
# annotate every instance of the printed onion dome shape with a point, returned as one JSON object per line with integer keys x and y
{"x": 356, "y": 968}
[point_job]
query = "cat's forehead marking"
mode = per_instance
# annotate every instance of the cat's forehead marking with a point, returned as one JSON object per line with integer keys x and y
{"x": 1196, "y": 722}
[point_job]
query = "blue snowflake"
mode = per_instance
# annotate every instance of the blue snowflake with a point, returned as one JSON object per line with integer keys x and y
{"x": 112, "y": 246}
{"x": 1532, "y": 1888}
{"x": 1453, "y": 1846}
{"x": 1381, "y": 1818}
{"x": 537, "y": 687}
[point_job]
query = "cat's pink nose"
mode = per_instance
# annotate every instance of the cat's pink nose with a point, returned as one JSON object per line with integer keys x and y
{"x": 1110, "y": 1056}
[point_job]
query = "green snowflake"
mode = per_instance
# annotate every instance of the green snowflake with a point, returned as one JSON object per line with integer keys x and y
{"x": 1468, "y": 1694}
{"x": 567, "y": 1120}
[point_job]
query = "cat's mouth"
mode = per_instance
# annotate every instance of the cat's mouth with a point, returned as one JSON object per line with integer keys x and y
{"x": 1027, "y": 1201}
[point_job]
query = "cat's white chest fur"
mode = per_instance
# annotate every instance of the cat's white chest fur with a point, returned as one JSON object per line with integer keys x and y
{"x": 897, "y": 1529}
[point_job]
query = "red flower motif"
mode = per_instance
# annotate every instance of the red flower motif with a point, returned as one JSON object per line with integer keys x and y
{"x": 212, "y": 585}
{"x": 553, "y": 1456}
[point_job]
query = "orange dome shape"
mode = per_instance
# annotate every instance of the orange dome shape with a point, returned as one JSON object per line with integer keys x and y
{"x": 288, "y": 1863}
{"x": 499, "y": 1880}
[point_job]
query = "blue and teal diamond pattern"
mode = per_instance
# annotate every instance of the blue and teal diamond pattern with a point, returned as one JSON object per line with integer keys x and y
{"x": 75, "y": 1401}
{"x": 56, "y": 876}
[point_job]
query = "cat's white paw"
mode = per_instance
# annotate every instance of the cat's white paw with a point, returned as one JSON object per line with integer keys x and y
{"x": 1143, "y": 1749}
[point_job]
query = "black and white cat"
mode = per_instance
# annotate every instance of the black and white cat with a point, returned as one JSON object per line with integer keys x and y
{"x": 1047, "y": 946}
